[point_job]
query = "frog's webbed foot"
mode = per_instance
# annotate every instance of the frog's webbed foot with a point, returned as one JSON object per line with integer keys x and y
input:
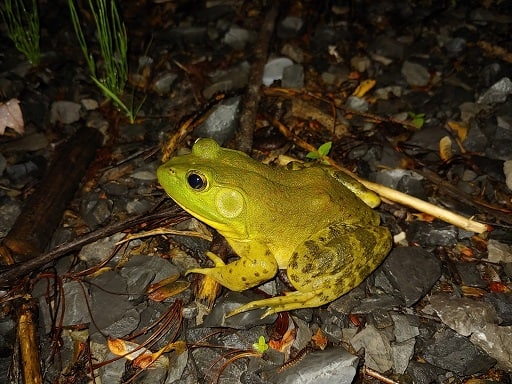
{"x": 289, "y": 302}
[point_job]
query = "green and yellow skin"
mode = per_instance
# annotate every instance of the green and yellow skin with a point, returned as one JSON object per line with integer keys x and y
{"x": 313, "y": 221}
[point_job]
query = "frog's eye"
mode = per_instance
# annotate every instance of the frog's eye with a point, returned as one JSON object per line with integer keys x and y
{"x": 196, "y": 180}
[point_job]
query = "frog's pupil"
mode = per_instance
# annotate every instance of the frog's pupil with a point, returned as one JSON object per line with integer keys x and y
{"x": 195, "y": 181}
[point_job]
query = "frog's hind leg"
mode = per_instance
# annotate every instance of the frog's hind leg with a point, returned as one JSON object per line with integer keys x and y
{"x": 244, "y": 273}
{"x": 289, "y": 302}
{"x": 328, "y": 265}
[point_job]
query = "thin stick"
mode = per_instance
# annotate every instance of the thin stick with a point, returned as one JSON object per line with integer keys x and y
{"x": 252, "y": 97}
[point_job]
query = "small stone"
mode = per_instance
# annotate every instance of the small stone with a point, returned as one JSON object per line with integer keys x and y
{"x": 403, "y": 330}
{"x": 274, "y": 70}
{"x": 289, "y": 27}
{"x": 497, "y": 93}
{"x": 293, "y": 52}
{"x": 423, "y": 373}
{"x": 65, "y": 112}
{"x": 96, "y": 252}
{"x": 293, "y": 77}
{"x": 502, "y": 303}
{"x": 357, "y": 104}
{"x": 89, "y": 104}
{"x": 412, "y": 271}
{"x": 507, "y": 170}
{"x": 237, "y": 38}
{"x": 378, "y": 354}
{"x": 245, "y": 320}
{"x": 497, "y": 342}
{"x": 498, "y": 252}
{"x": 463, "y": 315}
{"x": 163, "y": 82}
{"x": 360, "y": 63}
{"x": 402, "y": 354}
{"x": 221, "y": 122}
{"x": 415, "y": 74}
{"x": 331, "y": 366}
{"x": 453, "y": 352}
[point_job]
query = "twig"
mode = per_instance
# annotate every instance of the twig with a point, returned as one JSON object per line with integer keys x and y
{"x": 27, "y": 334}
{"x": 252, "y": 97}
{"x": 370, "y": 372}
{"x": 8, "y": 278}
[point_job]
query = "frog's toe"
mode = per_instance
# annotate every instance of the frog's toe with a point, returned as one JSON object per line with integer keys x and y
{"x": 290, "y": 302}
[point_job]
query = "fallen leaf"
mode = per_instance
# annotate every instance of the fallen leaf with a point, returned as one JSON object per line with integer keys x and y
{"x": 11, "y": 116}
{"x": 319, "y": 339}
{"x": 445, "y": 148}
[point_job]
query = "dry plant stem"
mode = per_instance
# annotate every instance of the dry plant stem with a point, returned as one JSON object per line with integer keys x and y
{"x": 27, "y": 334}
{"x": 251, "y": 99}
{"x": 8, "y": 278}
{"x": 391, "y": 194}
{"x": 383, "y": 379}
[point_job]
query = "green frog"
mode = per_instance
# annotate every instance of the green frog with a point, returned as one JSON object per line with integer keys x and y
{"x": 314, "y": 221}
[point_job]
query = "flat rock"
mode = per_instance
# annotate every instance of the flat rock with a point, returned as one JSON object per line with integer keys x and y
{"x": 463, "y": 315}
{"x": 412, "y": 271}
{"x": 331, "y": 366}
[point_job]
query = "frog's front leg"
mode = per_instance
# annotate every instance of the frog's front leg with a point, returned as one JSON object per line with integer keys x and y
{"x": 328, "y": 265}
{"x": 258, "y": 266}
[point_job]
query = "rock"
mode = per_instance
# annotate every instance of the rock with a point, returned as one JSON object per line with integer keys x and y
{"x": 450, "y": 351}
{"x": 360, "y": 63}
{"x": 75, "y": 313}
{"x": 404, "y": 180}
{"x": 289, "y": 27}
{"x": 403, "y": 329}
{"x": 120, "y": 319}
{"x": 423, "y": 373}
{"x": 378, "y": 354}
{"x": 96, "y": 252}
{"x": 293, "y": 77}
{"x": 432, "y": 234}
{"x": 221, "y": 122}
{"x": 64, "y": 112}
{"x": 463, "y": 315}
{"x": 274, "y": 69}
{"x": 502, "y": 303}
{"x": 96, "y": 211}
{"x": 357, "y": 104}
{"x": 402, "y": 353}
{"x": 497, "y": 93}
{"x": 237, "y": 38}
{"x": 497, "y": 342}
{"x": 412, "y": 271}
{"x": 498, "y": 252}
{"x": 415, "y": 74}
{"x": 163, "y": 82}
{"x": 293, "y": 52}
{"x": 470, "y": 276}
{"x": 387, "y": 46}
{"x": 331, "y": 366}
{"x": 507, "y": 170}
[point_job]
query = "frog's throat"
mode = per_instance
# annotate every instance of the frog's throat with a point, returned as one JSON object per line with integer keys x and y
{"x": 224, "y": 229}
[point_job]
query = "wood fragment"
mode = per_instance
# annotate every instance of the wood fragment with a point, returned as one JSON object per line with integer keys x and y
{"x": 27, "y": 335}
{"x": 43, "y": 210}
{"x": 251, "y": 99}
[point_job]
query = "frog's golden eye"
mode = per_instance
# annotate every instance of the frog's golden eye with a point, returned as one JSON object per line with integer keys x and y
{"x": 196, "y": 180}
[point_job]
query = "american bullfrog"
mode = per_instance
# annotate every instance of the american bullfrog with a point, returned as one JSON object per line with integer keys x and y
{"x": 314, "y": 221}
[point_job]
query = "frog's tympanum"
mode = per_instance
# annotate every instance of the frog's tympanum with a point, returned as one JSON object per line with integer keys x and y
{"x": 313, "y": 221}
